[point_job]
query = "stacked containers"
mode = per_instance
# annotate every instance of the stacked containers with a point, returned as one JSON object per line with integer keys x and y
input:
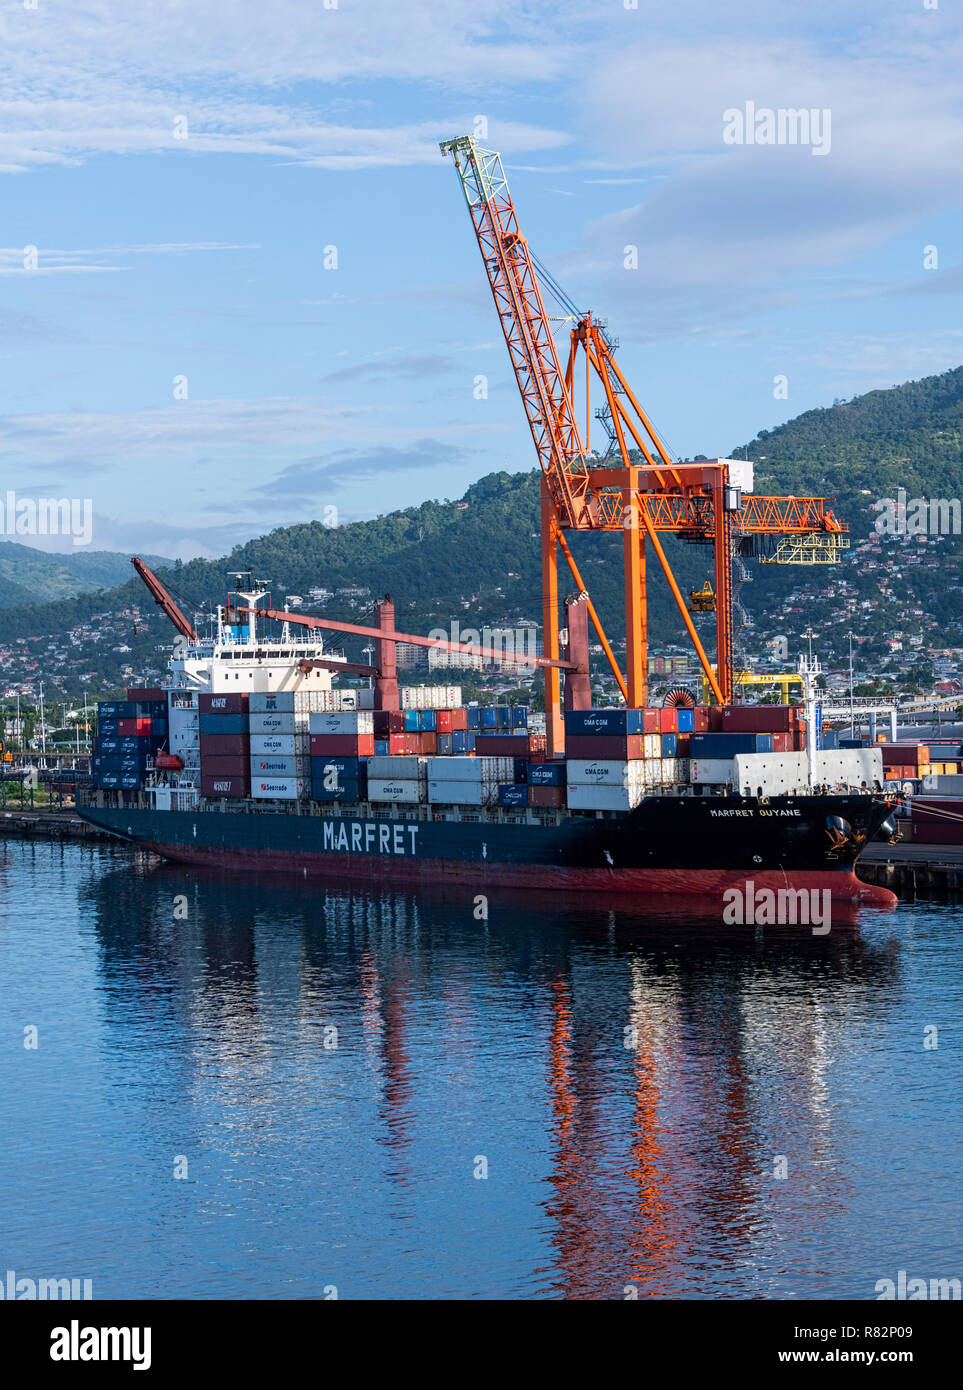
{"x": 225, "y": 744}
{"x": 646, "y": 741}
{"x": 339, "y": 743}
{"x": 280, "y": 765}
{"x": 398, "y": 780}
{"x": 470, "y": 781}
{"x": 129, "y": 733}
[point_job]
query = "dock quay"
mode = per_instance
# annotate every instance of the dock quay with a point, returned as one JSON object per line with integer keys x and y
{"x": 913, "y": 868}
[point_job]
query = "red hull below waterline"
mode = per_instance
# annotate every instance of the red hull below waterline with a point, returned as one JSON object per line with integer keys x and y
{"x": 842, "y": 885}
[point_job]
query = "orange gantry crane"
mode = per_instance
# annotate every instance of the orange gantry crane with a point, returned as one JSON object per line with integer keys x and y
{"x": 582, "y": 490}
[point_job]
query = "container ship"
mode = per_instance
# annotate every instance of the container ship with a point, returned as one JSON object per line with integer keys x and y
{"x": 249, "y": 758}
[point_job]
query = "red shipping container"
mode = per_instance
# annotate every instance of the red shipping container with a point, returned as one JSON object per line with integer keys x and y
{"x": 905, "y": 754}
{"x": 757, "y": 719}
{"x": 799, "y": 738}
{"x": 668, "y": 721}
{"x": 146, "y": 692}
{"x": 502, "y": 745}
{"x": 133, "y": 728}
{"x": 783, "y": 742}
{"x": 443, "y": 721}
{"x": 538, "y": 743}
{"x": 388, "y": 721}
{"x": 715, "y": 719}
{"x": 230, "y": 702}
{"x": 602, "y": 746}
{"x": 340, "y": 745}
{"x": 459, "y": 720}
{"x": 225, "y": 786}
{"x": 551, "y": 797}
{"x": 682, "y": 746}
{"x": 412, "y": 744}
{"x": 700, "y": 719}
{"x": 650, "y": 721}
{"x": 219, "y": 745}
{"x": 429, "y": 742}
{"x": 230, "y": 765}
{"x": 396, "y": 744}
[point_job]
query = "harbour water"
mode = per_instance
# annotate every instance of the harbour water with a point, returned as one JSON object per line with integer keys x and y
{"x": 247, "y": 1088}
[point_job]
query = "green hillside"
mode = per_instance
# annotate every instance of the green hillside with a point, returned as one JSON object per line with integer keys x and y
{"x": 28, "y": 575}
{"x": 477, "y": 559}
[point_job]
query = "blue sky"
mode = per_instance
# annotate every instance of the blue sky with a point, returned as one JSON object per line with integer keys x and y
{"x": 160, "y": 256}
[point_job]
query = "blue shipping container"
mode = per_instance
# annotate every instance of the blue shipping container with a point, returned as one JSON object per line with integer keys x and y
{"x": 503, "y": 717}
{"x": 412, "y": 721}
{"x": 460, "y": 741}
{"x": 520, "y": 773}
{"x": 126, "y": 709}
{"x": 223, "y": 723}
{"x": 445, "y": 744}
{"x": 348, "y": 769}
{"x": 106, "y": 709}
{"x": 510, "y": 794}
{"x": 520, "y": 716}
{"x": 620, "y": 722}
{"x": 728, "y": 745}
{"x": 348, "y": 790}
{"x": 428, "y": 721}
{"x": 686, "y": 719}
{"x": 546, "y": 774}
{"x": 382, "y": 748}
{"x": 107, "y": 728}
{"x": 489, "y": 717}
{"x": 670, "y": 745}
{"x": 474, "y": 717}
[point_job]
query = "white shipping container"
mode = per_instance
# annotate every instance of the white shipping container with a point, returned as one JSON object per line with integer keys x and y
{"x": 287, "y": 745}
{"x": 402, "y": 768}
{"x": 275, "y": 722}
{"x": 670, "y": 771}
{"x": 395, "y": 790}
{"x": 608, "y": 772}
{"x": 711, "y": 771}
{"x": 341, "y": 722}
{"x": 277, "y": 788}
{"x": 279, "y": 765}
{"x": 776, "y": 774}
{"x": 287, "y": 701}
{"x": 446, "y": 793}
{"x": 849, "y": 767}
{"x": 652, "y": 745}
{"x": 455, "y": 768}
{"x": 430, "y": 696}
{"x": 604, "y": 797}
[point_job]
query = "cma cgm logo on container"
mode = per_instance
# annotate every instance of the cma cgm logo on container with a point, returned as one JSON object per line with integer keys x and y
{"x": 47, "y": 516}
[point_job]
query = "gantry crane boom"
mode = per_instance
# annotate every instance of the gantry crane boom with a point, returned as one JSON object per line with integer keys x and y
{"x": 163, "y": 599}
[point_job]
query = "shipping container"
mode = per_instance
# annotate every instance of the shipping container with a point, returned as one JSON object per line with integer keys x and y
{"x": 459, "y": 720}
{"x": 624, "y": 746}
{"x": 278, "y": 788}
{"x": 395, "y": 789}
{"x": 619, "y": 722}
{"x": 214, "y": 745}
{"x": 604, "y": 797}
{"x": 510, "y": 794}
{"x": 668, "y": 721}
{"x": 711, "y": 771}
{"x": 670, "y": 745}
{"x": 133, "y": 728}
{"x": 473, "y": 718}
{"x": 427, "y": 721}
{"x": 107, "y": 728}
{"x": 223, "y": 723}
{"x": 652, "y": 745}
{"x": 341, "y": 722}
{"x": 546, "y": 774}
{"x": 443, "y": 724}
{"x": 503, "y": 745}
{"x": 548, "y": 798}
{"x": 225, "y": 786}
{"x": 462, "y": 741}
{"x": 284, "y": 765}
{"x": 700, "y": 720}
{"x": 281, "y": 745}
{"x": 154, "y": 693}
{"x": 758, "y": 719}
{"x": 227, "y": 765}
{"x": 727, "y": 745}
{"x": 347, "y": 789}
{"x": 276, "y": 722}
{"x": 604, "y": 772}
{"x": 450, "y": 793}
{"x": 403, "y": 769}
{"x": 396, "y": 745}
{"x": 234, "y": 702}
{"x": 347, "y": 769}
{"x": 686, "y": 718}
{"x": 519, "y": 716}
{"x": 445, "y": 743}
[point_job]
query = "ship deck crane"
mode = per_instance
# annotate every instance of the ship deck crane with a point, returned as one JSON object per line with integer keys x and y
{"x": 581, "y": 492}
{"x": 163, "y": 599}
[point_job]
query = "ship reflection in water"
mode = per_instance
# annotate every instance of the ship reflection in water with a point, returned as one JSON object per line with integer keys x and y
{"x": 389, "y": 1095}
